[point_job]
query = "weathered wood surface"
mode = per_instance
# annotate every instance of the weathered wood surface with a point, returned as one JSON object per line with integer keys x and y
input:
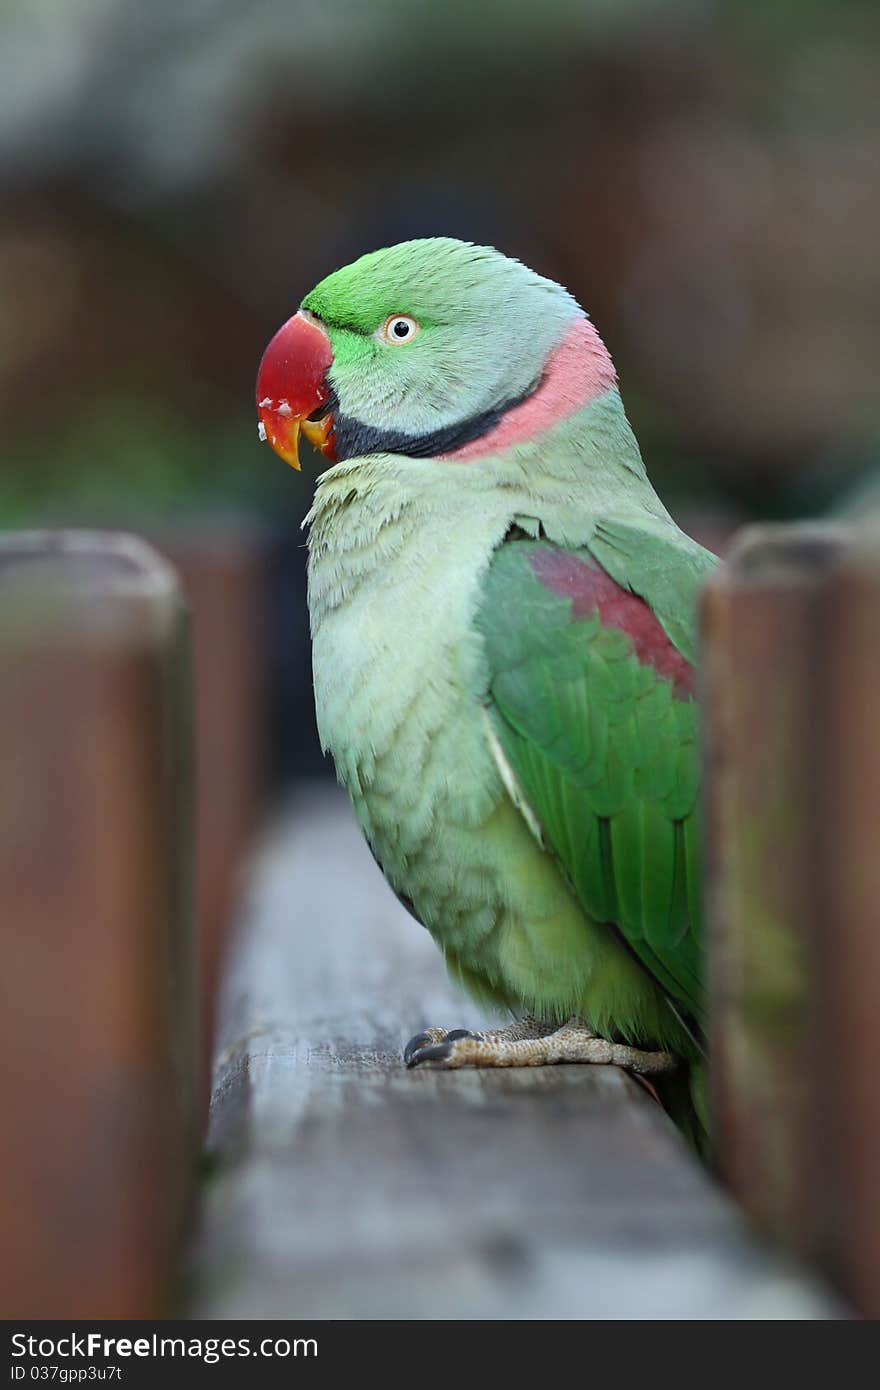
{"x": 97, "y": 997}
{"x": 792, "y": 675}
{"x": 346, "y": 1187}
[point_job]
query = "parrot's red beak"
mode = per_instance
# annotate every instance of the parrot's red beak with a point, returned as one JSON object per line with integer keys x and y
{"x": 292, "y": 387}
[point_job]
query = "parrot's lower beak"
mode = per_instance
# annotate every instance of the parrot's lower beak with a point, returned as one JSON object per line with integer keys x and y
{"x": 292, "y": 387}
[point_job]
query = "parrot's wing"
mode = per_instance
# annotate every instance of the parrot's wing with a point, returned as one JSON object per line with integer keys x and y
{"x": 594, "y": 723}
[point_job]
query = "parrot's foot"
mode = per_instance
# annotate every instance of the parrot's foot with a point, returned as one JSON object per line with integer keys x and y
{"x": 530, "y": 1043}
{"x": 523, "y": 1029}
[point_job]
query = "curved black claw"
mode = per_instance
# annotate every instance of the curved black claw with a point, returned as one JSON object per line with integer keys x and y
{"x": 426, "y": 1047}
{"x": 414, "y": 1045}
{"x": 434, "y": 1052}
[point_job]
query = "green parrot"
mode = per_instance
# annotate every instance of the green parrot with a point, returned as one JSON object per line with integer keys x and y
{"x": 503, "y": 623}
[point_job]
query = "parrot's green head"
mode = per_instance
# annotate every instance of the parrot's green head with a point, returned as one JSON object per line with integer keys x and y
{"x": 433, "y": 348}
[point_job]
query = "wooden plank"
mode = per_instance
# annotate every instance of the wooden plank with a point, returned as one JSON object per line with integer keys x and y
{"x": 97, "y": 1006}
{"x": 791, "y": 666}
{"x": 347, "y": 1187}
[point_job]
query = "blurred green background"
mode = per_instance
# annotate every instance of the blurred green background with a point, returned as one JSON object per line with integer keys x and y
{"x": 177, "y": 173}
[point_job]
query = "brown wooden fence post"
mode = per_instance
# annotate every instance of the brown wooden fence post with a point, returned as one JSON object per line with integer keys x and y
{"x": 222, "y": 570}
{"x": 846, "y": 1136}
{"x": 98, "y": 1024}
{"x": 791, "y": 669}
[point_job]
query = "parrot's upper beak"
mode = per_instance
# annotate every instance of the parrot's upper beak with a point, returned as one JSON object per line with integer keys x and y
{"x": 292, "y": 387}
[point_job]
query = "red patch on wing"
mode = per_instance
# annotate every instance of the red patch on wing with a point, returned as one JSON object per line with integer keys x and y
{"x": 591, "y": 591}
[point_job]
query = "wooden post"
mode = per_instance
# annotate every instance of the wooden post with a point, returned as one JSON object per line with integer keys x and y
{"x": 222, "y": 571}
{"x": 847, "y": 1121}
{"x": 793, "y": 893}
{"x": 97, "y": 1006}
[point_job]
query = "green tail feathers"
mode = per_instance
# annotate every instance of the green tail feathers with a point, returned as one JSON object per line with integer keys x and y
{"x": 684, "y": 1096}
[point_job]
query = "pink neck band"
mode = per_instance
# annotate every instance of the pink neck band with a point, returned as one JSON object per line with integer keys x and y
{"x": 577, "y": 371}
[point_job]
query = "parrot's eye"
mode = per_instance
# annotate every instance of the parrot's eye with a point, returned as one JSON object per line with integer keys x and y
{"x": 397, "y": 329}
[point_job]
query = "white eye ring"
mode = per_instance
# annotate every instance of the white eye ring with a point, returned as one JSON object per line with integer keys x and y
{"x": 398, "y": 329}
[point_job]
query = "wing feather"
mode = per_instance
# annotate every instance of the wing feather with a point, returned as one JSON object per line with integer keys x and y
{"x": 592, "y": 710}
